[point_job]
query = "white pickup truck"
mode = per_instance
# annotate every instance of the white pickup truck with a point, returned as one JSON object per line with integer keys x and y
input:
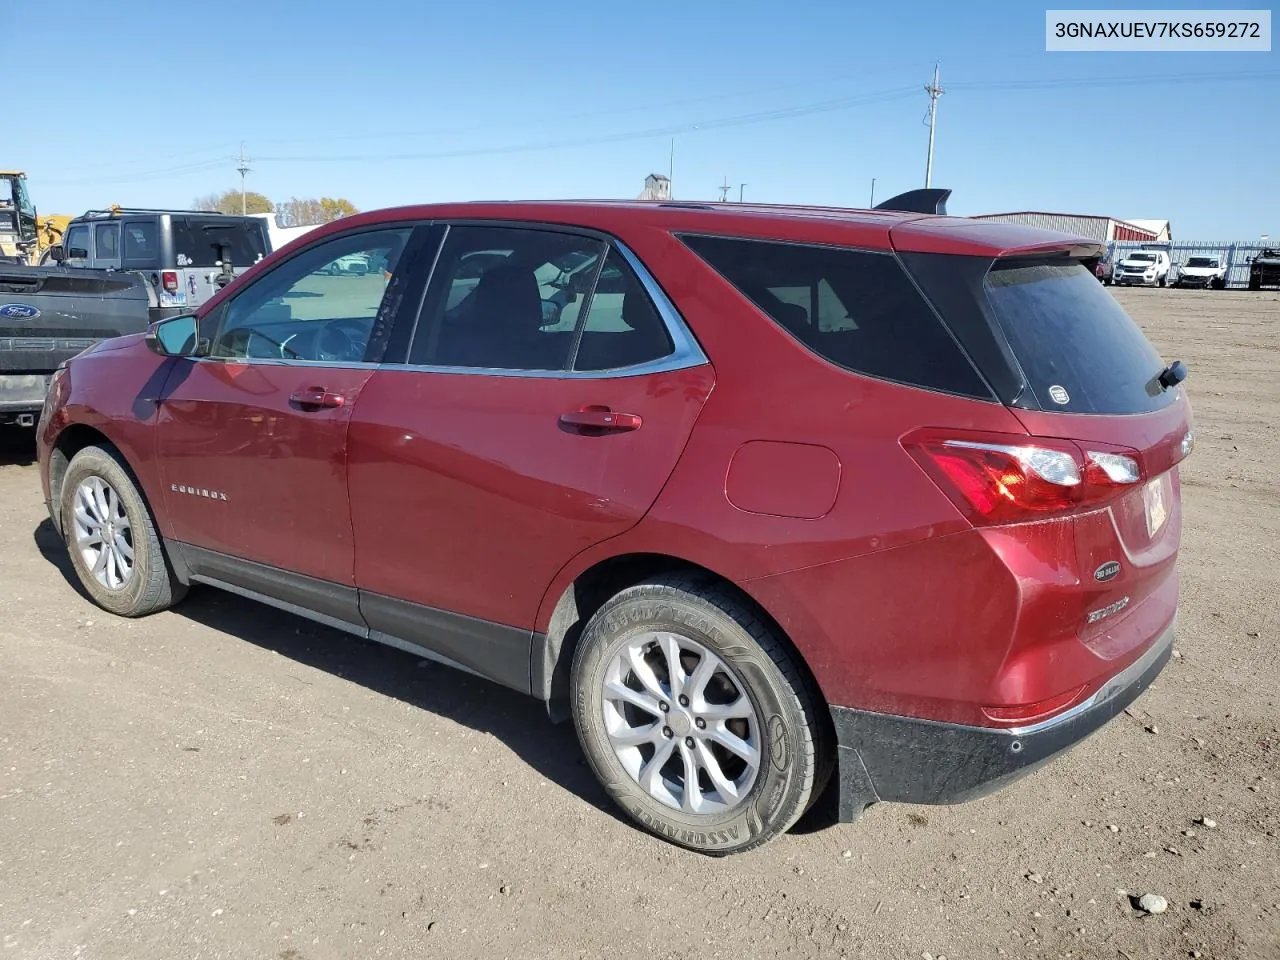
{"x": 1148, "y": 268}
{"x": 1207, "y": 272}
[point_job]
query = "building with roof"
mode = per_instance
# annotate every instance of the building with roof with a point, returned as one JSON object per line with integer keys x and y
{"x": 656, "y": 187}
{"x": 1105, "y": 229}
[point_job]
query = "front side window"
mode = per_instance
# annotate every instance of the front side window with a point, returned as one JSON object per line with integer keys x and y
{"x": 320, "y": 305}
{"x": 854, "y": 308}
{"x": 106, "y": 238}
{"x": 506, "y": 299}
{"x": 76, "y": 243}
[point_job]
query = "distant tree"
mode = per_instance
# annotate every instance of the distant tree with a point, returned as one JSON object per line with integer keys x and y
{"x": 229, "y": 202}
{"x": 306, "y": 213}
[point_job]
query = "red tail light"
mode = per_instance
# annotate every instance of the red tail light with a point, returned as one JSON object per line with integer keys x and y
{"x": 169, "y": 280}
{"x": 1007, "y": 479}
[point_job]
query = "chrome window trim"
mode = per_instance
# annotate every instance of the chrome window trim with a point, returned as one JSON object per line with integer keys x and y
{"x": 686, "y": 351}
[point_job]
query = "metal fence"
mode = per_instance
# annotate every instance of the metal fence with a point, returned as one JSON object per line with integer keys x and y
{"x": 1235, "y": 253}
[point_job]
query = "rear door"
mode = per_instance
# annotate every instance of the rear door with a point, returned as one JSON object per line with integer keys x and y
{"x": 538, "y": 413}
{"x": 199, "y": 244}
{"x": 1093, "y": 378}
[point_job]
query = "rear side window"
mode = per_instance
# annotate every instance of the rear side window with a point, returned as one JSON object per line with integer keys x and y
{"x": 1079, "y": 350}
{"x": 106, "y": 241}
{"x": 855, "y": 308}
{"x": 196, "y": 241}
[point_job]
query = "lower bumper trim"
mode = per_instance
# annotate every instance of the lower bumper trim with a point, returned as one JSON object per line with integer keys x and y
{"x": 908, "y": 760}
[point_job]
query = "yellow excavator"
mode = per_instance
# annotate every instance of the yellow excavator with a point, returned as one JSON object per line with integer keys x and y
{"x": 25, "y": 237}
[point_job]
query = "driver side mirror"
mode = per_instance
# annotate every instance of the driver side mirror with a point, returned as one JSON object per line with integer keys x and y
{"x": 58, "y": 253}
{"x": 176, "y": 337}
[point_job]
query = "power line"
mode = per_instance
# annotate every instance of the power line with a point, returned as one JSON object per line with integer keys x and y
{"x": 784, "y": 113}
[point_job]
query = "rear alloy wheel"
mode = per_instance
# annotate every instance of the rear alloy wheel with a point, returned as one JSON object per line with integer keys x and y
{"x": 113, "y": 543}
{"x": 694, "y": 717}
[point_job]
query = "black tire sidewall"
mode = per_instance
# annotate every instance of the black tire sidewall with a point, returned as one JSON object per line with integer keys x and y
{"x": 147, "y": 564}
{"x": 783, "y": 783}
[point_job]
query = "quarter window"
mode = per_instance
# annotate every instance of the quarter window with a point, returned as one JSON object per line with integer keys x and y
{"x": 856, "y": 309}
{"x": 139, "y": 241}
{"x": 318, "y": 306}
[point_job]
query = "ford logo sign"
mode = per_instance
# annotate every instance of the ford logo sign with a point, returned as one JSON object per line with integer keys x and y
{"x": 18, "y": 311}
{"x": 1107, "y": 571}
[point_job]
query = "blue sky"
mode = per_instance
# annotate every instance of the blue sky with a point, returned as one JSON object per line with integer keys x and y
{"x": 804, "y": 101}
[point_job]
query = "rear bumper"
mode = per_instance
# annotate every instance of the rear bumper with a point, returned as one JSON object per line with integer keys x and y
{"x": 22, "y": 393}
{"x": 903, "y": 759}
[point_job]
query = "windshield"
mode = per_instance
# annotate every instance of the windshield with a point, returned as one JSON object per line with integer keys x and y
{"x": 1079, "y": 350}
{"x": 1142, "y": 256}
{"x": 1202, "y": 262}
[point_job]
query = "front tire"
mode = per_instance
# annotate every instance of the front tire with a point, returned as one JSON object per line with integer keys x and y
{"x": 112, "y": 539}
{"x": 694, "y": 716}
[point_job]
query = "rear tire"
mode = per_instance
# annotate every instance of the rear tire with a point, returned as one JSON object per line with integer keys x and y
{"x": 112, "y": 539}
{"x": 736, "y": 718}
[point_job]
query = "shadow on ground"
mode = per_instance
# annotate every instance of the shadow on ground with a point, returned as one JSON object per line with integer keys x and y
{"x": 17, "y": 446}
{"x": 517, "y": 720}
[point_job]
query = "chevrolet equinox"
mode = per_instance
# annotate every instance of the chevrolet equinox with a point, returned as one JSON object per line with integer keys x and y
{"x": 766, "y": 499}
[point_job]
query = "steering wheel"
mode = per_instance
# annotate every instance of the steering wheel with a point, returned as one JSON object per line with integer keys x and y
{"x": 341, "y": 340}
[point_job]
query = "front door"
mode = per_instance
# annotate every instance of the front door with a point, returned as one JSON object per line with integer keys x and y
{"x": 252, "y": 438}
{"x": 544, "y": 404}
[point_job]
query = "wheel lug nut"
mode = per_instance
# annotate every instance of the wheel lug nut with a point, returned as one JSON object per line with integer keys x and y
{"x": 688, "y": 742}
{"x": 702, "y": 724}
{"x": 684, "y": 701}
{"x": 666, "y": 732}
{"x": 664, "y": 706}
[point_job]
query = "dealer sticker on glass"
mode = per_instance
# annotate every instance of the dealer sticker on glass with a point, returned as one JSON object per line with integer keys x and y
{"x": 1153, "y": 495}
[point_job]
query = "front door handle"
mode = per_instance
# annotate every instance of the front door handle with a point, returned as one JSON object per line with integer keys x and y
{"x": 602, "y": 419}
{"x": 317, "y": 397}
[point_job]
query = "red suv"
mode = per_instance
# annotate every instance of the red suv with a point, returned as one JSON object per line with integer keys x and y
{"x": 765, "y": 498}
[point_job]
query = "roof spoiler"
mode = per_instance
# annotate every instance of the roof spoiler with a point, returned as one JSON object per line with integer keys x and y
{"x": 924, "y": 200}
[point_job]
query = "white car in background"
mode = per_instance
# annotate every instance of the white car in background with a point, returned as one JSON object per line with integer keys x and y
{"x": 1148, "y": 268}
{"x": 1207, "y": 272}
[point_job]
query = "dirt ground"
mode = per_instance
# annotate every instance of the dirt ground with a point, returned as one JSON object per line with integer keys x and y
{"x": 227, "y": 781}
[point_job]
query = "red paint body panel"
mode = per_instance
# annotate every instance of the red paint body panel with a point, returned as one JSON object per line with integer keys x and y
{"x": 468, "y": 494}
{"x": 465, "y": 492}
{"x": 230, "y": 427}
{"x": 798, "y": 480}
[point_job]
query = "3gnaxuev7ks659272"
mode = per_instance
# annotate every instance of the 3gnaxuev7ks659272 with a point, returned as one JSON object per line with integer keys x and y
{"x": 767, "y": 499}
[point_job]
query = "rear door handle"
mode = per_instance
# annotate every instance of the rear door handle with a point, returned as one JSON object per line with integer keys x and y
{"x": 317, "y": 397}
{"x": 601, "y": 419}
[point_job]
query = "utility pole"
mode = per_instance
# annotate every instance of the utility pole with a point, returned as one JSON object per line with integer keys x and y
{"x": 740, "y": 186}
{"x": 872, "y": 204}
{"x": 935, "y": 91}
{"x": 724, "y": 189}
{"x": 244, "y": 170}
{"x": 671, "y": 170}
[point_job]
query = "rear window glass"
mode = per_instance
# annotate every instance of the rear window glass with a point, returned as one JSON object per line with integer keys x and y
{"x": 196, "y": 239}
{"x": 856, "y": 309}
{"x": 1080, "y": 351}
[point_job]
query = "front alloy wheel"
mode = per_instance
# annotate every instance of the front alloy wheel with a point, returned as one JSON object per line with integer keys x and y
{"x": 103, "y": 533}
